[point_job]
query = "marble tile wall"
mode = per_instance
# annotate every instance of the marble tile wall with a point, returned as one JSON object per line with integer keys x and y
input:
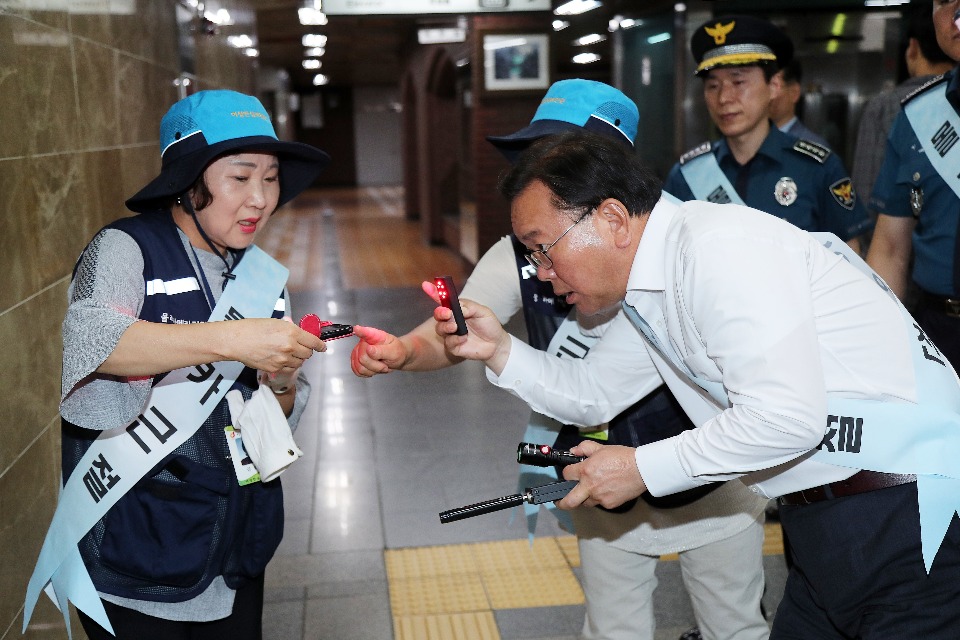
{"x": 83, "y": 86}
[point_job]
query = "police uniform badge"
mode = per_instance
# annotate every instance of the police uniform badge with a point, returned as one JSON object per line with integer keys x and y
{"x": 916, "y": 201}
{"x": 785, "y": 191}
{"x": 842, "y": 191}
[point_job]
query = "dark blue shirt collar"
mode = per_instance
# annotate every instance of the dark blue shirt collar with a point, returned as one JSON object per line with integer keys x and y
{"x": 772, "y": 144}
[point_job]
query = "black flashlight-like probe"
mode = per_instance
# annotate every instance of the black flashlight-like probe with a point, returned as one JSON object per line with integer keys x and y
{"x": 533, "y": 495}
{"x": 543, "y": 455}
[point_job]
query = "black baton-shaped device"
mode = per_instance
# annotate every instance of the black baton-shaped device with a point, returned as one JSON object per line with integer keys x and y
{"x": 533, "y": 495}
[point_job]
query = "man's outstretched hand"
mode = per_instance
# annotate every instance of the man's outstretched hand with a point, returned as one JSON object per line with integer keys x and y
{"x": 486, "y": 339}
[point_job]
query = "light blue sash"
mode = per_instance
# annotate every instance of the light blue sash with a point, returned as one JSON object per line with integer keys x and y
{"x": 543, "y": 430}
{"x": 937, "y": 126}
{"x": 707, "y": 181}
{"x": 889, "y": 437}
{"x": 120, "y": 457}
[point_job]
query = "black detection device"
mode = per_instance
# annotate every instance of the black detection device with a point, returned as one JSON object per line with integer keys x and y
{"x": 447, "y": 292}
{"x": 334, "y": 331}
{"x": 533, "y": 495}
{"x": 543, "y": 455}
{"x": 324, "y": 329}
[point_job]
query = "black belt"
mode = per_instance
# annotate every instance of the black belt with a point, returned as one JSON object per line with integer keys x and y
{"x": 860, "y": 482}
{"x": 943, "y": 304}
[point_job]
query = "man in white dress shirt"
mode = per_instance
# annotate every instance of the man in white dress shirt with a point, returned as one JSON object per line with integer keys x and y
{"x": 770, "y": 341}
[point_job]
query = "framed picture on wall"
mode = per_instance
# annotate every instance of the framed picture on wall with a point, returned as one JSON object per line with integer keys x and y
{"x": 515, "y": 61}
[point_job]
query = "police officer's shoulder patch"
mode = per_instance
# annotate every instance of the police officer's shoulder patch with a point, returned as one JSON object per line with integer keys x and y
{"x": 932, "y": 82}
{"x": 696, "y": 152}
{"x": 816, "y": 151}
{"x": 844, "y": 193}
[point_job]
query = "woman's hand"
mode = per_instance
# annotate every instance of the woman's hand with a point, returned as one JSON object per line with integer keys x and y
{"x": 268, "y": 344}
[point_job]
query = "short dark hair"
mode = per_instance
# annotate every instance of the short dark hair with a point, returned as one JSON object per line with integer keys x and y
{"x": 200, "y": 195}
{"x": 919, "y": 25}
{"x": 793, "y": 71}
{"x": 582, "y": 169}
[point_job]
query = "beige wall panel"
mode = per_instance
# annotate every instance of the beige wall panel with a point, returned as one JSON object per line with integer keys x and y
{"x": 31, "y": 360}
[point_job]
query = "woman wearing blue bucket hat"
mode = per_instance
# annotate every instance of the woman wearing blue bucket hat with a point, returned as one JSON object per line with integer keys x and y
{"x": 174, "y": 530}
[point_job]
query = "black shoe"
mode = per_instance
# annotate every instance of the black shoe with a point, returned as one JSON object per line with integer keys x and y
{"x": 692, "y": 634}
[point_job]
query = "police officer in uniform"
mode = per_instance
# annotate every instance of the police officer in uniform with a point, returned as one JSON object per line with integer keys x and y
{"x": 755, "y": 163}
{"x": 917, "y": 198}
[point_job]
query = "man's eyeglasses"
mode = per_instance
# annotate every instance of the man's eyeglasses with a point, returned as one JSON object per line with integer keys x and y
{"x": 539, "y": 257}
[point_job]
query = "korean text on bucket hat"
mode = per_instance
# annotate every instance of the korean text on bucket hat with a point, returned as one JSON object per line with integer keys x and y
{"x": 735, "y": 40}
{"x": 576, "y": 104}
{"x": 201, "y": 127}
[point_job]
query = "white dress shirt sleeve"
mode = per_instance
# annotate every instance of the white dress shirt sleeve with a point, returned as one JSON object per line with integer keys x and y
{"x": 743, "y": 307}
{"x": 615, "y": 374}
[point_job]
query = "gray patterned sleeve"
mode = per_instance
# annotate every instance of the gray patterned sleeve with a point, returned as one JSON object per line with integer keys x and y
{"x": 104, "y": 299}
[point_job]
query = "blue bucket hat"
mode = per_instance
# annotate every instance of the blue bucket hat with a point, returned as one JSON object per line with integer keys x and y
{"x": 575, "y": 104}
{"x": 201, "y": 127}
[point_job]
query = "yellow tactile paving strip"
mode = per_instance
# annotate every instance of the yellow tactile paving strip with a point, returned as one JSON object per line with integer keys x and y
{"x": 479, "y": 625}
{"x": 450, "y": 592}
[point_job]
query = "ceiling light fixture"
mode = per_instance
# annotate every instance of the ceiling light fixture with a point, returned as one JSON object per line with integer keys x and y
{"x": 660, "y": 37}
{"x": 619, "y": 22}
{"x": 576, "y": 7}
{"x": 241, "y": 41}
{"x": 314, "y": 40}
{"x": 560, "y": 25}
{"x": 320, "y": 80}
{"x": 220, "y": 17}
{"x": 311, "y": 64}
{"x": 311, "y": 16}
{"x": 586, "y": 58}
{"x": 589, "y": 39}
{"x": 314, "y": 52}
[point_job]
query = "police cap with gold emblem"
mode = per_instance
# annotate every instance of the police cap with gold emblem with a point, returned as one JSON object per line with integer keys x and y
{"x": 738, "y": 40}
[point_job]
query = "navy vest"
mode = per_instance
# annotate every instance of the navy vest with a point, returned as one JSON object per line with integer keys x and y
{"x": 188, "y": 520}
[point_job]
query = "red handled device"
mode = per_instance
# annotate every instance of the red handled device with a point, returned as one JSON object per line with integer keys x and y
{"x": 447, "y": 292}
{"x": 324, "y": 329}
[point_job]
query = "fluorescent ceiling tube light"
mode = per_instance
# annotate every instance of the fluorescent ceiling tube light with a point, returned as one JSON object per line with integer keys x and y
{"x": 314, "y": 40}
{"x": 311, "y": 16}
{"x": 240, "y": 42}
{"x": 575, "y": 7}
{"x": 585, "y": 58}
{"x": 219, "y": 17}
{"x": 592, "y": 38}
